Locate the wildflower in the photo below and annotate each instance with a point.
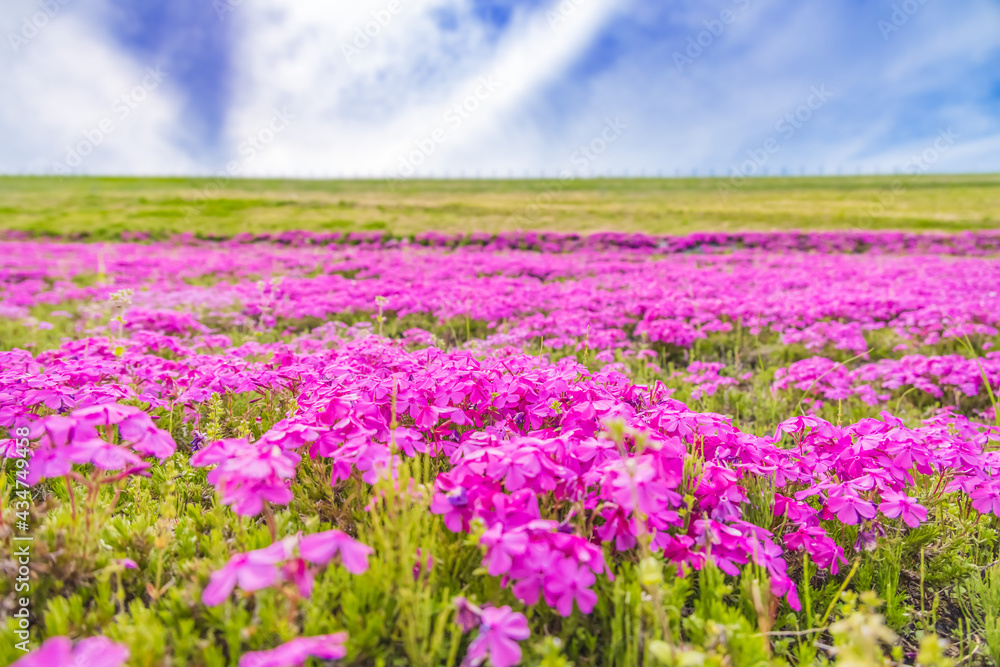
(868, 538)
(620, 528)
(783, 586)
(90, 652)
(797, 512)
(297, 651)
(900, 505)
(247, 474)
(64, 441)
(567, 582)
(820, 547)
(320, 548)
(47, 463)
(197, 440)
(530, 572)
(986, 497)
(502, 548)
(102, 454)
(850, 509)
(467, 615)
(134, 426)
(499, 631)
(253, 571)
(422, 565)
(105, 414)
(298, 572)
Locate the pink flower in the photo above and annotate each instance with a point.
(782, 585)
(248, 474)
(850, 509)
(258, 569)
(797, 512)
(568, 581)
(900, 505)
(105, 414)
(47, 462)
(102, 454)
(619, 527)
(145, 438)
(68, 440)
(467, 615)
(320, 548)
(218, 451)
(252, 570)
(499, 632)
(91, 652)
(297, 651)
(453, 503)
(820, 547)
(530, 572)
(59, 431)
(986, 498)
(502, 548)
(299, 573)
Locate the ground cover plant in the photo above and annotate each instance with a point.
(523, 448)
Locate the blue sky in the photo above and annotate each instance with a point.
(499, 87)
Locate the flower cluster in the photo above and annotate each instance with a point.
(873, 382)
(846, 241)
(541, 475)
(557, 469)
(247, 474)
(295, 555)
(606, 295)
(500, 629)
(110, 436)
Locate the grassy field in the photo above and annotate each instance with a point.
(104, 207)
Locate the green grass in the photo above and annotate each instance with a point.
(105, 207)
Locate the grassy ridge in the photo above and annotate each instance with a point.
(104, 207)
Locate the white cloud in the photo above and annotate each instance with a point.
(62, 83)
(364, 114)
(889, 99)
